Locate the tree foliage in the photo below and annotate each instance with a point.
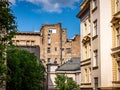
(64, 83)
(7, 30)
(24, 70)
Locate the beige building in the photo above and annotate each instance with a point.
(116, 43)
(53, 45)
(99, 69)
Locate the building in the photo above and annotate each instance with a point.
(116, 43)
(96, 44)
(29, 41)
(51, 43)
(71, 69)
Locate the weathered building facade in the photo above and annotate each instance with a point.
(52, 42)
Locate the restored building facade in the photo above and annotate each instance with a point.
(52, 42)
(116, 43)
(96, 44)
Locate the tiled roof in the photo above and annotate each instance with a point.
(71, 65)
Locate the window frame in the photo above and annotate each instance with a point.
(48, 60)
(95, 29)
(96, 83)
(48, 50)
(118, 36)
(95, 59)
(68, 50)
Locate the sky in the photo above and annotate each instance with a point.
(32, 14)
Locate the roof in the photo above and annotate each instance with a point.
(28, 33)
(71, 65)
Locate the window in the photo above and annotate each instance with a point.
(49, 40)
(62, 49)
(27, 43)
(48, 60)
(95, 58)
(68, 50)
(17, 42)
(50, 31)
(118, 36)
(95, 28)
(89, 77)
(55, 48)
(117, 5)
(85, 80)
(85, 25)
(70, 78)
(85, 51)
(32, 43)
(118, 70)
(96, 83)
(48, 50)
(55, 61)
(94, 4)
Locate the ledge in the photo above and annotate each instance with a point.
(116, 48)
(85, 83)
(94, 9)
(94, 37)
(96, 67)
(116, 82)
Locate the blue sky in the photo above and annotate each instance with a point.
(32, 14)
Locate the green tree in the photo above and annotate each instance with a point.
(7, 31)
(64, 83)
(24, 70)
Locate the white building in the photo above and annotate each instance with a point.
(96, 44)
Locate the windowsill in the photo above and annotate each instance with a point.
(93, 10)
(94, 37)
(95, 67)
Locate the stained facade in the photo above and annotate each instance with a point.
(52, 41)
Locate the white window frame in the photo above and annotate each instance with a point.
(95, 58)
(49, 40)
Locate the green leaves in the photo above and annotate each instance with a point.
(8, 29)
(24, 70)
(64, 83)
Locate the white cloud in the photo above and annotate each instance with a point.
(12, 1)
(53, 5)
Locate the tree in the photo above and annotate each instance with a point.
(24, 70)
(7, 30)
(64, 83)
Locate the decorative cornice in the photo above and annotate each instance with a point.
(85, 6)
